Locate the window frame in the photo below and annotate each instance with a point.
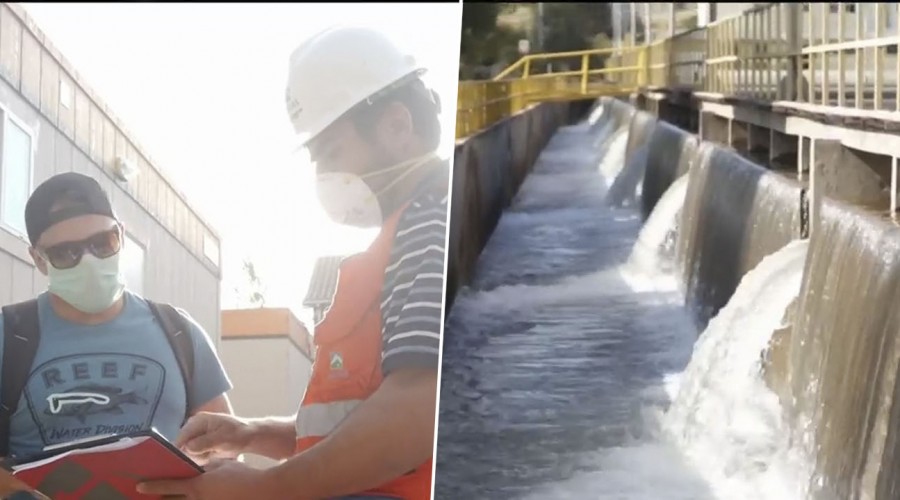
(67, 98)
(131, 239)
(833, 7)
(212, 249)
(9, 116)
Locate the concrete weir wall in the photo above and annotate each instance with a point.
(842, 354)
(735, 213)
(488, 168)
(835, 362)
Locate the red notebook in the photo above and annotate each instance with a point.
(106, 468)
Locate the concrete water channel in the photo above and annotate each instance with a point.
(639, 313)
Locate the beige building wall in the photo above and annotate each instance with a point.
(51, 122)
(268, 358)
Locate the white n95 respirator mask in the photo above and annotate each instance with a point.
(348, 199)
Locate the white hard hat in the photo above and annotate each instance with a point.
(338, 69)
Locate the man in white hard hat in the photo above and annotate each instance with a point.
(365, 427)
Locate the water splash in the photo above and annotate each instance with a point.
(647, 471)
(625, 191)
(561, 364)
(598, 114)
(613, 161)
(552, 356)
(654, 251)
(724, 417)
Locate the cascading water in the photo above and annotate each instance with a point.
(735, 213)
(563, 357)
(724, 417)
(612, 163)
(597, 115)
(654, 251)
(552, 354)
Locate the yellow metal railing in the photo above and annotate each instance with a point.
(482, 103)
(822, 54)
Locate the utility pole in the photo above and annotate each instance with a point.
(648, 26)
(706, 13)
(632, 11)
(616, 24)
(540, 26)
(795, 42)
(540, 37)
(671, 19)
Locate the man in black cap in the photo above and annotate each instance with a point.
(126, 357)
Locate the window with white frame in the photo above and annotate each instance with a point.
(211, 249)
(133, 265)
(65, 94)
(16, 172)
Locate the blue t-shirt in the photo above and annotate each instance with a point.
(116, 377)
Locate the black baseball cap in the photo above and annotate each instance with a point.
(83, 196)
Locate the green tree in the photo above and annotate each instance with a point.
(567, 26)
(252, 292)
(483, 42)
(572, 26)
(478, 21)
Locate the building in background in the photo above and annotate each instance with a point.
(52, 122)
(322, 284)
(268, 354)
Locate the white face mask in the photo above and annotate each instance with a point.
(349, 200)
(92, 286)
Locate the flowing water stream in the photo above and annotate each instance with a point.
(572, 368)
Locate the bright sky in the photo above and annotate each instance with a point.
(202, 88)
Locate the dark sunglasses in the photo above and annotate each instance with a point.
(68, 254)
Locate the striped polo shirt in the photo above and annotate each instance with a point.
(413, 290)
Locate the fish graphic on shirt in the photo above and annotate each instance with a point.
(85, 400)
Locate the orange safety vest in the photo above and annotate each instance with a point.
(347, 368)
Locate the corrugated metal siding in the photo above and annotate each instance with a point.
(33, 67)
(85, 139)
(323, 282)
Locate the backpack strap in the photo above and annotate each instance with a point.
(21, 337)
(178, 332)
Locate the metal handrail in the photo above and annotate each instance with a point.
(772, 52)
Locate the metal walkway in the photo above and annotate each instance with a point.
(833, 56)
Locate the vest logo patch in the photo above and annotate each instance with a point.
(337, 362)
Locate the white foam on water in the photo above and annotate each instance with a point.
(654, 250)
(724, 421)
(568, 182)
(575, 290)
(724, 417)
(648, 471)
(596, 115)
(613, 161)
(712, 432)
